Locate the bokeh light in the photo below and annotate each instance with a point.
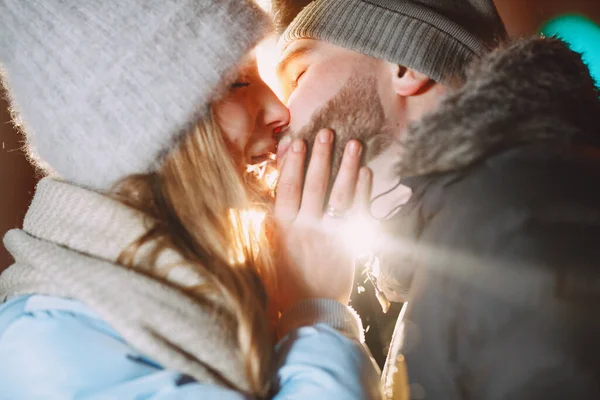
(583, 37)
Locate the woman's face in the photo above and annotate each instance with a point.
(250, 115)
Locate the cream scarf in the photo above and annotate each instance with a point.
(68, 248)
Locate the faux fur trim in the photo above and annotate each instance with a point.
(531, 90)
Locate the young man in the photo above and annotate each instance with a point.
(498, 242)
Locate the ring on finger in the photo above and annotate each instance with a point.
(335, 213)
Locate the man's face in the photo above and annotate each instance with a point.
(327, 86)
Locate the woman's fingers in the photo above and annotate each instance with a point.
(350, 187)
(317, 175)
(289, 186)
(344, 188)
(362, 197)
(310, 243)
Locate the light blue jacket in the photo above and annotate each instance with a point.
(53, 348)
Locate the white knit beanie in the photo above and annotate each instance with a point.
(105, 88)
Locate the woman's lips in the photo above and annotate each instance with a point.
(282, 149)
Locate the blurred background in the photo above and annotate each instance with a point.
(17, 179)
(577, 21)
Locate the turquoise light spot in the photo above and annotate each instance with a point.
(583, 37)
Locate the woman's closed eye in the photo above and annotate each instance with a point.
(240, 84)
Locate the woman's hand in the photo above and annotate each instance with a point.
(313, 261)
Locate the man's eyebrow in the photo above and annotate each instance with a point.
(293, 55)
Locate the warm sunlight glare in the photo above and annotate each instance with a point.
(249, 224)
(360, 234)
(267, 57)
(266, 171)
(264, 4)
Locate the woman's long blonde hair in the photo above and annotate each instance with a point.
(196, 201)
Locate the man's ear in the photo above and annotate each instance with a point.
(407, 81)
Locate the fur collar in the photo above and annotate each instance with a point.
(527, 91)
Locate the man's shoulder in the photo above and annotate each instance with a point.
(525, 203)
(540, 192)
(535, 205)
(530, 177)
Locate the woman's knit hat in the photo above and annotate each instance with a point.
(103, 89)
(435, 37)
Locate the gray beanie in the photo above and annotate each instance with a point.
(435, 37)
(104, 88)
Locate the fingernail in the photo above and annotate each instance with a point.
(354, 148)
(298, 146)
(325, 136)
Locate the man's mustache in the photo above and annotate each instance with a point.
(355, 112)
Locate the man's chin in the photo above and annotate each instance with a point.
(356, 112)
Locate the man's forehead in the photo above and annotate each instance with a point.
(302, 42)
(310, 44)
(296, 49)
(300, 48)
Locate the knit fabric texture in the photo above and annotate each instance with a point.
(69, 246)
(103, 89)
(435, 37)
(326, 311)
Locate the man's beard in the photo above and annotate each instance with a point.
(356, 112)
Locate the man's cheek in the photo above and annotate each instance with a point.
(302, 106)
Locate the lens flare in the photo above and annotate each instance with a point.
(360, 233)
(361, 236)
(266, 172)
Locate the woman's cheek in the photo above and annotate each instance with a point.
(234, 121)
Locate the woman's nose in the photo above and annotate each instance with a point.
(275, 114)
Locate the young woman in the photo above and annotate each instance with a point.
(141, 271)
